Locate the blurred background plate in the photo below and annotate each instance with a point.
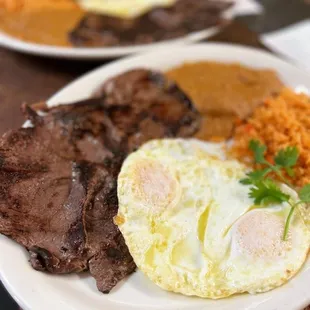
(98, 53)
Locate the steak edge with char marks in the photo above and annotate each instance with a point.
(58, 178)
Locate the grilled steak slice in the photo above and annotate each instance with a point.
(110, 260)
(159, 24)
(58, 179)
(41, 202)
(146, 105)
(128, 110)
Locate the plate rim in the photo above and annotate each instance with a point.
(119, 63)
(211, 45)
(96, 53)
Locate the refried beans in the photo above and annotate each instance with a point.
(224, 93)
(39, 21)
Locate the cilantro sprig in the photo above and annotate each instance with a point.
(285, 160)
(264, 190)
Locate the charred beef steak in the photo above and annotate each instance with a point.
(58, 179)
(159, 24)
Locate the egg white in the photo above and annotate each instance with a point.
(191, 227)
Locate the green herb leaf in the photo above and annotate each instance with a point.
(304, 193)
(246, 181)
(289, 171)
(287, 158)
(287, 223)
(258, 150)
(266, 192)
(255, 176)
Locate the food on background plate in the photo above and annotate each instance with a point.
(105, 22)
(58, 178)
(224, 93)
(123, 8)
(29, 5)
(280, 122)
(158, 24)
(40, 21)
(192, 227)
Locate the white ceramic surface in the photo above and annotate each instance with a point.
(36, 291)
(82, 53)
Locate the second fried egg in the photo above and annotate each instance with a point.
(191, 227)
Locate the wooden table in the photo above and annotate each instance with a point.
(31, 79)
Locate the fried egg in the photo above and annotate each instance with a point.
(122, 8)
(192, 228)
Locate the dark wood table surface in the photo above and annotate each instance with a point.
(31, 79)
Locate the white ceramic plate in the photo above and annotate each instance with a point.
(97, 53)
(36, 291)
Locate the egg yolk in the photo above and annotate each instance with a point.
(155, 186)
(259, 235)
